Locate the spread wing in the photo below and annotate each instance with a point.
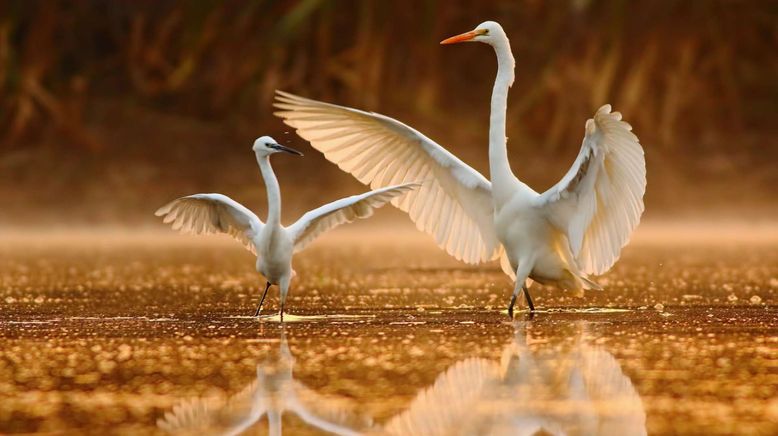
(598, 203)
(454, 205)
(342, 211)
(212, 213)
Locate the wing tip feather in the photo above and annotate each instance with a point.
(166, 208)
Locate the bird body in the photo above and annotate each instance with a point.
(275, 260)
(273, 244)
(529, 238)
(559, 237)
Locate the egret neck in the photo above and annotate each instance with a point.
(503, 180)
(273, 191)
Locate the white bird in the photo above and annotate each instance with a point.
(273, 244)
(576, 228)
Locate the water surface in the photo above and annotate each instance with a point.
(107, 331)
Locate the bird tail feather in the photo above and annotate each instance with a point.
(590, 285)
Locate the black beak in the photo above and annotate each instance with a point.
(285, 149)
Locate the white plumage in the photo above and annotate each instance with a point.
(576, 228)
(205, 214)
(454, 203)
(342, 211)
(600, 199)
(273, 243)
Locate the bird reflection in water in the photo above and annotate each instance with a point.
(558, 383)
(273, 393)
(540, 386)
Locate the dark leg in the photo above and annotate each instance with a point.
(529, 299)
(510, 306)
(282, 312)
(262, 300)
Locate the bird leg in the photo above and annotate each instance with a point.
(284, 288)
(522, 272)
(259, 308)
(510, 306)
(529, 299)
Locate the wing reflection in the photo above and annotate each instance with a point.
(272, 393)
(539, 386)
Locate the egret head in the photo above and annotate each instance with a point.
(265, 146)
(488, 32)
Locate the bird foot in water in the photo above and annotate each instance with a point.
(529, 303)
(529, 299)
(262, 301)
(510, 306)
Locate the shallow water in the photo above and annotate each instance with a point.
(113, 332)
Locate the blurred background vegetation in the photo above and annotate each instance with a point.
(110, 108)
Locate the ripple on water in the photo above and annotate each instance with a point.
(577, 310)
(289, 317)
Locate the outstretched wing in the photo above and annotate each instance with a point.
(454, 204)
(212, 213)
(599, 201)
(342, 211)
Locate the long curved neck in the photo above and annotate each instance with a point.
(273, 191)
(499, 167)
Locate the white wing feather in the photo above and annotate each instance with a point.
(212, 213)
(342, 211)
(454, 204)
(598, 203)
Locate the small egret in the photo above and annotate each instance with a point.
(272, 243)
(576, 228)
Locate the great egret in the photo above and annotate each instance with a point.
(576, 228)
(272, 243)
